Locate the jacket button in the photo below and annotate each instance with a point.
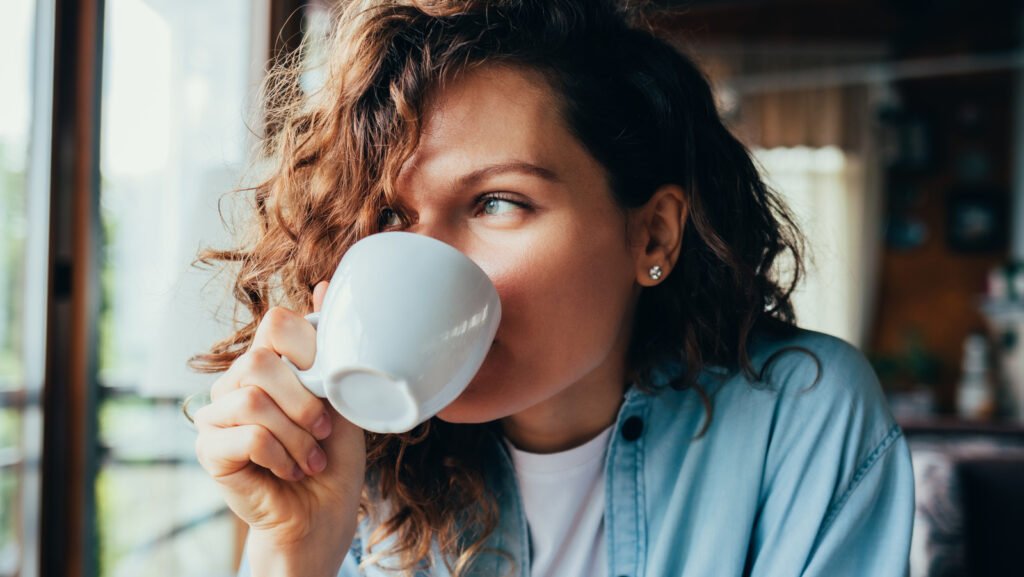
(632, 428)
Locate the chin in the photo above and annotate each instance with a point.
(476, 404)
(471, 407)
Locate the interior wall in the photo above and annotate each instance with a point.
(930, 287)
(933, 288)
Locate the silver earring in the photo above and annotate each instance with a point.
(655, 272)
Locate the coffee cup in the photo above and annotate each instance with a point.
(405, 325)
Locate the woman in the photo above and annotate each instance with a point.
(648, 407)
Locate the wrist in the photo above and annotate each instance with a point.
(308, 558)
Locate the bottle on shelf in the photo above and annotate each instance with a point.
(975, 392)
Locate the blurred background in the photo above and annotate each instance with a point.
(895, 129)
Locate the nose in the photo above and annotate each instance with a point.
(453, 235)
(436, 230)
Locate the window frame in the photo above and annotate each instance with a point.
(67, 539)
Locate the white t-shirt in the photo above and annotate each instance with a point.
(563, 497)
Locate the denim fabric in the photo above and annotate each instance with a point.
(793, 476)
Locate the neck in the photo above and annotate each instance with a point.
(562, 423)
(577, 413)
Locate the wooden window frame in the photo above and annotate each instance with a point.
(67, 544)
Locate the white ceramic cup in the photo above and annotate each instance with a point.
(406, 323)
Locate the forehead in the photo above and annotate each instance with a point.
(490, 115)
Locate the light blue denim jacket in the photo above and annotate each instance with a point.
(789, 479)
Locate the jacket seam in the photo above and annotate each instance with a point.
(613, 450)
(641, 495)
(894, 433)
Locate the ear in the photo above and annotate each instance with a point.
(657, 231)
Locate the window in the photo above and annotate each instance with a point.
(178, 78)
(26, 35)
(823, 188)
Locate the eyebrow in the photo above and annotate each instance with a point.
(519, 166)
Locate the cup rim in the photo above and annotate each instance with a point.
(421, 238)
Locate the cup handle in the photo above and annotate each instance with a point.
(310, 378)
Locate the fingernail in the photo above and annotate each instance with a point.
(322, 427)
(317, 460)
(297, 473)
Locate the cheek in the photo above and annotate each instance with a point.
(563, 299)
(575, 296)
(559, 286)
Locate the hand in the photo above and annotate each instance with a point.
(290, 466)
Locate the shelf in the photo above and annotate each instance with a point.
(949, 425)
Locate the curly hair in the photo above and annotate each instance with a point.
(637, 105)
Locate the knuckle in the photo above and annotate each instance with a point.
(278, 319)
(245, 363)
(261, 359)
(310, 412)
(253, 399)
(227, 380)
(260, 440)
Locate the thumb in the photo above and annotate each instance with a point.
(346, 464)
(346, 458)
(318, 295)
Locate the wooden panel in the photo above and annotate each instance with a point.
(934, 288)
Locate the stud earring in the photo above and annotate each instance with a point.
(655, 272)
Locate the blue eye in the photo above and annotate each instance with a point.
(492, 205)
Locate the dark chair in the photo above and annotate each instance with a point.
(992, 491)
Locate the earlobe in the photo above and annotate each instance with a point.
(664, 217)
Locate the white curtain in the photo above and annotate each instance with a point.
(836, 206)
(816, 146)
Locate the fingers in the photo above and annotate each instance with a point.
(250, 405)
(287, 333)
(319, 291)
(223, 452)
(263, 368)
(261, 413)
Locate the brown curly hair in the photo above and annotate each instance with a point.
(641, 108)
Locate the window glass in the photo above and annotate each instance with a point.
(26, 39)
(178, 77)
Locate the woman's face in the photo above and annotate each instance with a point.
(498, 176)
